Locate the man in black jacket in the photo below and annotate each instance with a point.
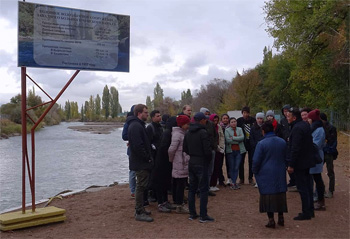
(300, 159)
(246, 123)
(140, 158)
(285, 135)
(197, 145)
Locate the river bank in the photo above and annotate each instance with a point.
(109, 213)
(11, 129)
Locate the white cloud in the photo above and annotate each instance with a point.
(180, 43)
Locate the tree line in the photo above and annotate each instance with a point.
(96, 108)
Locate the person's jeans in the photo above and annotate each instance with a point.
(241, 166)
(328, 159)
(179, 185)
(217, 173)
(198, 175)
(132, 181)
(234, 160)
(319, 186)
(304, 184)
(142, 178)
(211, 166)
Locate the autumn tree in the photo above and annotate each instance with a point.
(210, 96)
(315, 36)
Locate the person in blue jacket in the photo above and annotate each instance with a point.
(269, 168)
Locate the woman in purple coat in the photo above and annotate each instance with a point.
(269, 168)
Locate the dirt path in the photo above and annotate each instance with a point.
(109, 214)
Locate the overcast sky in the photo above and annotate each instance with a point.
(179, 43)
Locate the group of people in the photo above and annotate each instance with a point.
(172, 153)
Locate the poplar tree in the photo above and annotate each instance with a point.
(106, 101)
(114, 101)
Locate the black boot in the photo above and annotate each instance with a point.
(271, 223)
(280, 220)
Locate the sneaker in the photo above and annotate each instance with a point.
(328, 194)
(228, 182)
(144, 211)
(293, 189)
(170, 206)
(163, 208)
(132, 195)
(235, 186)
(193, 217)
(143, 218)
(291, 185)
(210, 193)
(256, 185)
(152, 199)
(206, 219)
(214, 189)
(181, 209)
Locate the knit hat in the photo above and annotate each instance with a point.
(323, 116)
(203, 110)
(270, 113)
(314, 115)
(260, 115)
(246, 109)
(182, 120)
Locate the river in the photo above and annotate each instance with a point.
(65, 160)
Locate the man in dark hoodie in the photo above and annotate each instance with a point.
(140, 158)
(197, 145)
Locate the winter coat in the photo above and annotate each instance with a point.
(285, 127)
(220, 135)
(197, 145)
(269, 164)
(154, 132)
(161, 174)
(140, 146)
(213, 135)
(176, 155)
(221, 141)
(231, 139)
(255, 136)
(246, 125)
(300, 146)
(318, 138)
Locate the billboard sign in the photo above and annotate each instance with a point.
(58, 37)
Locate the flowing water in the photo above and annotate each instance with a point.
(65, 160)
